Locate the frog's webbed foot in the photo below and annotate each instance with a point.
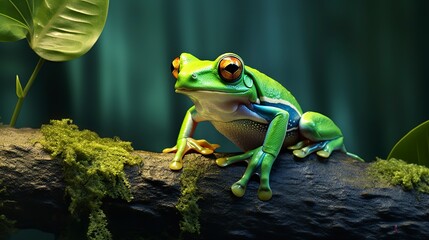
(258, 159)
(323, 148)
(187, 144)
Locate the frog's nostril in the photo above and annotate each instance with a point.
(194, 76)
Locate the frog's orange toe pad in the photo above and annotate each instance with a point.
(169, 150)
(206, 151)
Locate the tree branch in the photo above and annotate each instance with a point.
(312, 198)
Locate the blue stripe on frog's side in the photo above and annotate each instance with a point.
(294, 115)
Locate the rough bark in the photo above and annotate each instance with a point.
(313, 198)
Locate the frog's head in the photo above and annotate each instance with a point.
(227, 74)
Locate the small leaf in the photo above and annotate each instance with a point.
(19, 91)
(15, 19)
(414, 146)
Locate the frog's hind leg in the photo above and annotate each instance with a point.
(321, 136)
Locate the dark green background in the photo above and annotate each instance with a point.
(363, 63)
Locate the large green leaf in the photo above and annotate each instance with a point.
(414, 146)
(67, 29)
(57, 30)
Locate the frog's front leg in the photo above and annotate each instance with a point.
(321, 136)
(262, 157)
(185, 142)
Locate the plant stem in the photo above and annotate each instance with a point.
(26, 89)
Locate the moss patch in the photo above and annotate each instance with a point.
(93, 170)
(398, 172)
(188, 200)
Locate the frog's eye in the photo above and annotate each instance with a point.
(175, 67)
(230, 68)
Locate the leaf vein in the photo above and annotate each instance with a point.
(15, 20)
(20, 13)
(29, 8)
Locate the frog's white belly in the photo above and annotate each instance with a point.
(248, 135)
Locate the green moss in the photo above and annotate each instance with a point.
(188, 200)
(398, 172)
(93, 170)
(97, 228)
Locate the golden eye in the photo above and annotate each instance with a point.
(230, 68)
(175, 67)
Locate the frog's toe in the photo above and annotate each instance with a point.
(169, 150)
(222, 162)
(176, 165)
(206, 151)
(331, 145)
(238, 189)
(225, 161)
(300, 153)
(299, 145)
(323, 153)
(202, 146)
(309, 149)
(265, 193)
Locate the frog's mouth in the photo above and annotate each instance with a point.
(187, 91)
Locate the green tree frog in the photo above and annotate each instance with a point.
(253, 111)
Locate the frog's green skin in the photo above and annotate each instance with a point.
(253, 111)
